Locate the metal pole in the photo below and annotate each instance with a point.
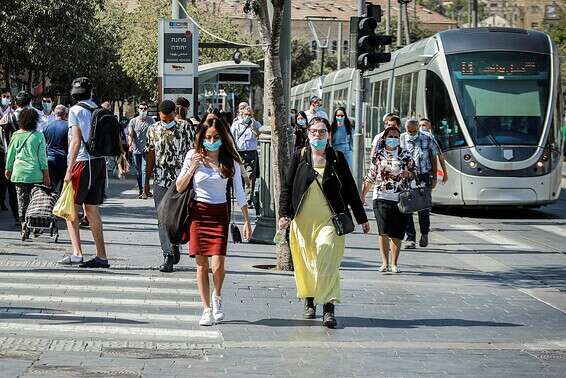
(339, 57)
(475, 13)
(406, 12)
(388, 23)
(322, 60)
(358, 139)
(399, 25)
(176, 11)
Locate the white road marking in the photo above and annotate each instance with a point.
(105, 315)
(98, 288)
(92, 276)
(549, 296)
(107, 330)
(96, 300)
(553, 229)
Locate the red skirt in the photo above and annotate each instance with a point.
(208, 229)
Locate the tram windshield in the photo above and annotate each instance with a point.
(503, 96)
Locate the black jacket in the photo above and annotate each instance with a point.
(337, 183)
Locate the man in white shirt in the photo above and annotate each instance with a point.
(246, 132)
(315, 109)
(87, 175)
(240, 116)
(137, 138)
(46, 114)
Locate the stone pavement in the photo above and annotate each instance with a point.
(486, 298)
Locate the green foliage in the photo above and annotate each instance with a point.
(557, 32)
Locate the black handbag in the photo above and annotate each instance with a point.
(234, 229)
(173, 213)
(415, 199)
(342, 222)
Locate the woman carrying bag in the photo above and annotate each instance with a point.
(209, 167)
(317, 191)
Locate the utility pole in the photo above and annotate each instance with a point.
(407, 36)
(339, 51)
(475, 13)
(176, 11)
(399, 24)
(388, 23)
(358, 142)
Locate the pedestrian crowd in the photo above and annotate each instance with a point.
(205, 166)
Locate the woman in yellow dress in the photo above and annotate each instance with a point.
(317, 185)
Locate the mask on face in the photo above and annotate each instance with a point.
(46, 106)
(424, 129)
(301, 122)
(413, 136)
(392, 142)
(6, 102)
(318, 144)
(247, 120)
(215, 146)
(143, 114)
(169, 125)
(340, 119)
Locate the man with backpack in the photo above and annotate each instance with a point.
(94, 134)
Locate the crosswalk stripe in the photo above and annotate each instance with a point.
(99, 288)
(92, 276)
(96, 300)
(177, 334)
(492, 237)
(553, 229)
(40, 313)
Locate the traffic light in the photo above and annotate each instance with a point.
(369, 43)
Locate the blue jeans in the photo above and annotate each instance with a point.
(347, 151)
(140, 160)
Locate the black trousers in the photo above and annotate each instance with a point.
(424, 215)
(251, 165)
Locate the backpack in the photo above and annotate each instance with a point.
(104, 138)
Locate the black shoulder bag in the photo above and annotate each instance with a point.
(173, 213)
(343, 222)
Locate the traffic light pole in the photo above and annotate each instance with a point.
(358, 138)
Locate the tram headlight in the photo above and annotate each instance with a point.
(472, 164)
(467, 157)
(540, 164)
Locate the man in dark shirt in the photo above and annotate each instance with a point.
(57, 138)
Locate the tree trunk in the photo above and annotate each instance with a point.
(277, 109)
(7, 72)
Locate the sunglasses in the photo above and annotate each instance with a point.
(318, 131)
(142, 108)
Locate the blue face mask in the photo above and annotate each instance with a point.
(392, 142)
(301, 122)
(340, 119)
(47, 106)
(212, 146)
(169, 125)
(248, 120)
(318, 144)
(6, 101)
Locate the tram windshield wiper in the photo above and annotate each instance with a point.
(487, 131)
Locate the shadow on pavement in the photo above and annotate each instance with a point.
(357, 322)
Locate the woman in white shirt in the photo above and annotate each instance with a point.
(207, 168)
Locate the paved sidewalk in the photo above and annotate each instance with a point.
(479, 301)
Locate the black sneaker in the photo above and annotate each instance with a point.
(167, 266)
(328, 319)
(84, 223)
(95, 263)
(176, 254)
(310, 309)
(423, 242)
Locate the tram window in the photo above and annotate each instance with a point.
(398, 94)
(441, 113)
(375, 111)
(413, 108)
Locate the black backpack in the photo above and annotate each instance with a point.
(104, 138)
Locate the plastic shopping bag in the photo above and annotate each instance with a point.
(65, 206)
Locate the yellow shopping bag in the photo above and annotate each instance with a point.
(65, 206)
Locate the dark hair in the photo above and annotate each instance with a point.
(143, 103)
(228, 117)
(182, 101)
(319, 119)
(27, 120)
(347, 122)
(302, 114)
(166, 107)
(425, 120)
(396, 119)
(6, 90)
(386, 132)
(314, 99)
(227, 153)
(80, 96)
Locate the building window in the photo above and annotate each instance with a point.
(313, 46)
(334, 46)
(534, 25)
(345, 46)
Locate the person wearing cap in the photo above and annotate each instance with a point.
(137, 138)
(56, 135)
(9, 125)
(168, 141)
(424, 150)
(87, 175)
(246, 133)
(315, 109)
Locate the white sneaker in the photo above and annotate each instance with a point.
(383, 268)
(395, 269)
(410, 245)
(206, 318)
(217, 308)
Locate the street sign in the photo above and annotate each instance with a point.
(178, 60)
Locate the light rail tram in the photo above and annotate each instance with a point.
(495, 101)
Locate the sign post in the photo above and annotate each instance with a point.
(178, 61)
